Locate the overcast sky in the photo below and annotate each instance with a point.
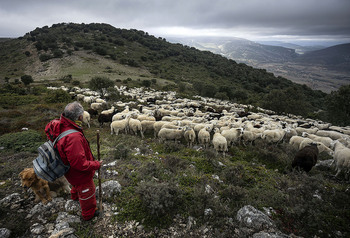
(285, 20)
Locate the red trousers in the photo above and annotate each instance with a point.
(87, 199)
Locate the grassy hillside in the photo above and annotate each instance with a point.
(87, 50)
(164, 183)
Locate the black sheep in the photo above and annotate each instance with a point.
(102, 118)
(306, 158)
(92, 112)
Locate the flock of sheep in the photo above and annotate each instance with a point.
(206, 121)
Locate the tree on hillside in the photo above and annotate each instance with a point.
(289, 100)
(100, 84)
(338, 106)
(27, 79)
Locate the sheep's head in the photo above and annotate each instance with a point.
(216, 130)
(332, 144)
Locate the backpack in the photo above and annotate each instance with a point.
(48, 165)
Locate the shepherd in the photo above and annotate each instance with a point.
(75, 151)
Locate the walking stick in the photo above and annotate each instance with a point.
(99, 172)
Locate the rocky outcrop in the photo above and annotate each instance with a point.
(249, 221)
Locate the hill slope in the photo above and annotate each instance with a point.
(239, 49)
(325, 69)
(88, 50)
(335, 57)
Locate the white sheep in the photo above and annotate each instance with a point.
(290, 133)
(88, 99)
(200, 126)
(158, 125)
(96, 105)
(341, 158)
(295, 141)
(232, 135)
(171, 134)
(321, 147)
(109, 111)
(249, 136)
(147, 126)
(190, 136)
(325, 140)
(273, 136)
(100, 100)
(300, 130)
(219, 142)
(135, 126)
(119, 116)
(86, 118)
(120, 125)
(332, 134)
(145, 117)
(204, 136)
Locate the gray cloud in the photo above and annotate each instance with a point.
(255, 18)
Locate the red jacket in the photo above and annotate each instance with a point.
(74, 150)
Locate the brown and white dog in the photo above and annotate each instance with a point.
(43, 189)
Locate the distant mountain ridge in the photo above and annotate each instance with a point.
(325, 68)
(335, 57)
(240, 49)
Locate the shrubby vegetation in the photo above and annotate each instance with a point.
(338, 106)
(164, 181)
(21, 141)
(100, 84)
(202, 72)
(57, 96)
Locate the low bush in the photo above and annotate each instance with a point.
(159, 200)
(21, 141)
(122, 151)
(58, 96)
(9, 101)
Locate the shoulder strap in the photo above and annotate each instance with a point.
(63, 134)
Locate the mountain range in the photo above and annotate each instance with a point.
(323, 68)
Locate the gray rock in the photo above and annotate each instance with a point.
(61, 226)
(264, 234)
(109, 189)
(64, 217)
(10, 200)
(190, 222)
(250, 217)
(40, 208)
(208, 212)
(62, 223)
(66, 233)
(52, 207)
(5, 233)
(72, 206)
(37, 229)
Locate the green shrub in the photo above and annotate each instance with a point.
(159, 199)
(174, 163)
(67, 78)
(21, 141)
(121, 151)
(170, 146)
(45, 57)
(11, 100)
(58, 96)
(76, 83)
